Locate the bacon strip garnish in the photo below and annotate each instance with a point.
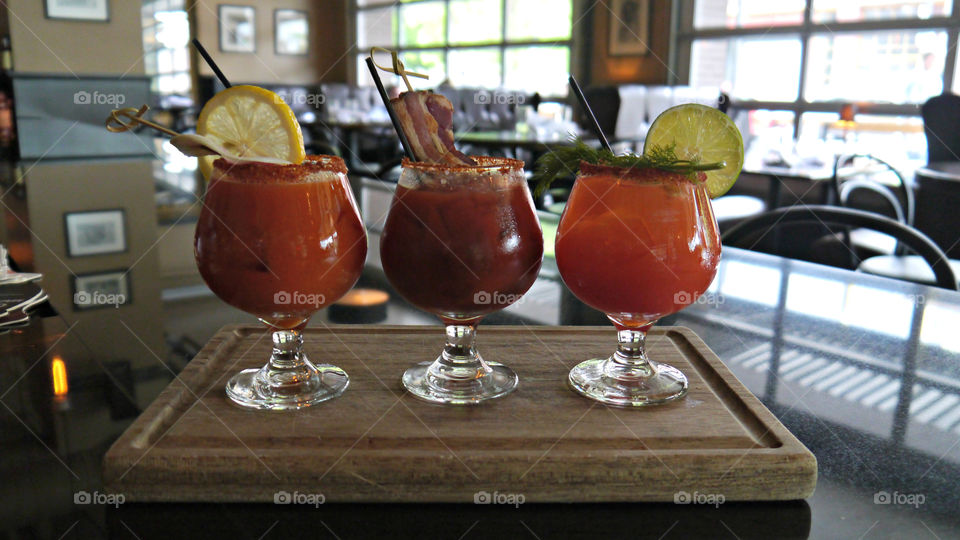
(427, 121)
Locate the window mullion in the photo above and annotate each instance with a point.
(802, 79)
(503, 41)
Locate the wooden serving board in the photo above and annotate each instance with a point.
(375, 443)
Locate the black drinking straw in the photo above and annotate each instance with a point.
(213, 65)
(393, 115)
(589, 111)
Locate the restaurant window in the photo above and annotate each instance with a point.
(515, 44)
(166, 33)
(811, 57)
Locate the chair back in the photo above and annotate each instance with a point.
(605, 102)
(847, 217)
(900, 197)
(938, 197)
(941, 125)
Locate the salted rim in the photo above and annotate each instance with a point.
(637, 173)
(261, 172)
(484, 163)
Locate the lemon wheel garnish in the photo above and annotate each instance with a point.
(703, 134)
(252, 122)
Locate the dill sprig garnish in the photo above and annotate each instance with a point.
(564, 161)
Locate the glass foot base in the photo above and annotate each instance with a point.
(251, 389)
(425, 384)
(593, 379)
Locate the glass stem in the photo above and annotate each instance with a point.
(459, 359)
(287, 350)
(630, 361)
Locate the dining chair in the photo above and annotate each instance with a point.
(857, 181)
(605, 102)
(937, 200)
(941, 120)
(745, 233)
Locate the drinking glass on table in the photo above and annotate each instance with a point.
(461, 242)
(281, 242)
(637, 245)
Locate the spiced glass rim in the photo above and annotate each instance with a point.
(263, 172)
(635, 173)
(484, 163)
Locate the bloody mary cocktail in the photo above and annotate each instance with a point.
(636, 244)
(281, 242)
(461, 242)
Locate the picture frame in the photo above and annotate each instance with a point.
(629, 29)
(291, 32)
(98, 290)
(95, 232)
(72, 10)
(238, 28)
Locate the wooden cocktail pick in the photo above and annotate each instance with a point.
(396, 67)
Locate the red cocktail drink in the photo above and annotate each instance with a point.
(281, 242)
(461, 242)
(636, 245)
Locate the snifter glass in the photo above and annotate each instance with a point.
(637, 245)
(461, 242)
(281, 242)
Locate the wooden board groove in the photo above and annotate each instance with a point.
(375, 443)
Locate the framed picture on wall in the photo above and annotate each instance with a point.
(291, 31)
(101, 290)
(77, 10)
(238, 29)
(629, 27)
(98, 232)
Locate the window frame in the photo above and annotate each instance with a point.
(502, 44)
(684, 35)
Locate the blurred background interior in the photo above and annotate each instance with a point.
(840, 102)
